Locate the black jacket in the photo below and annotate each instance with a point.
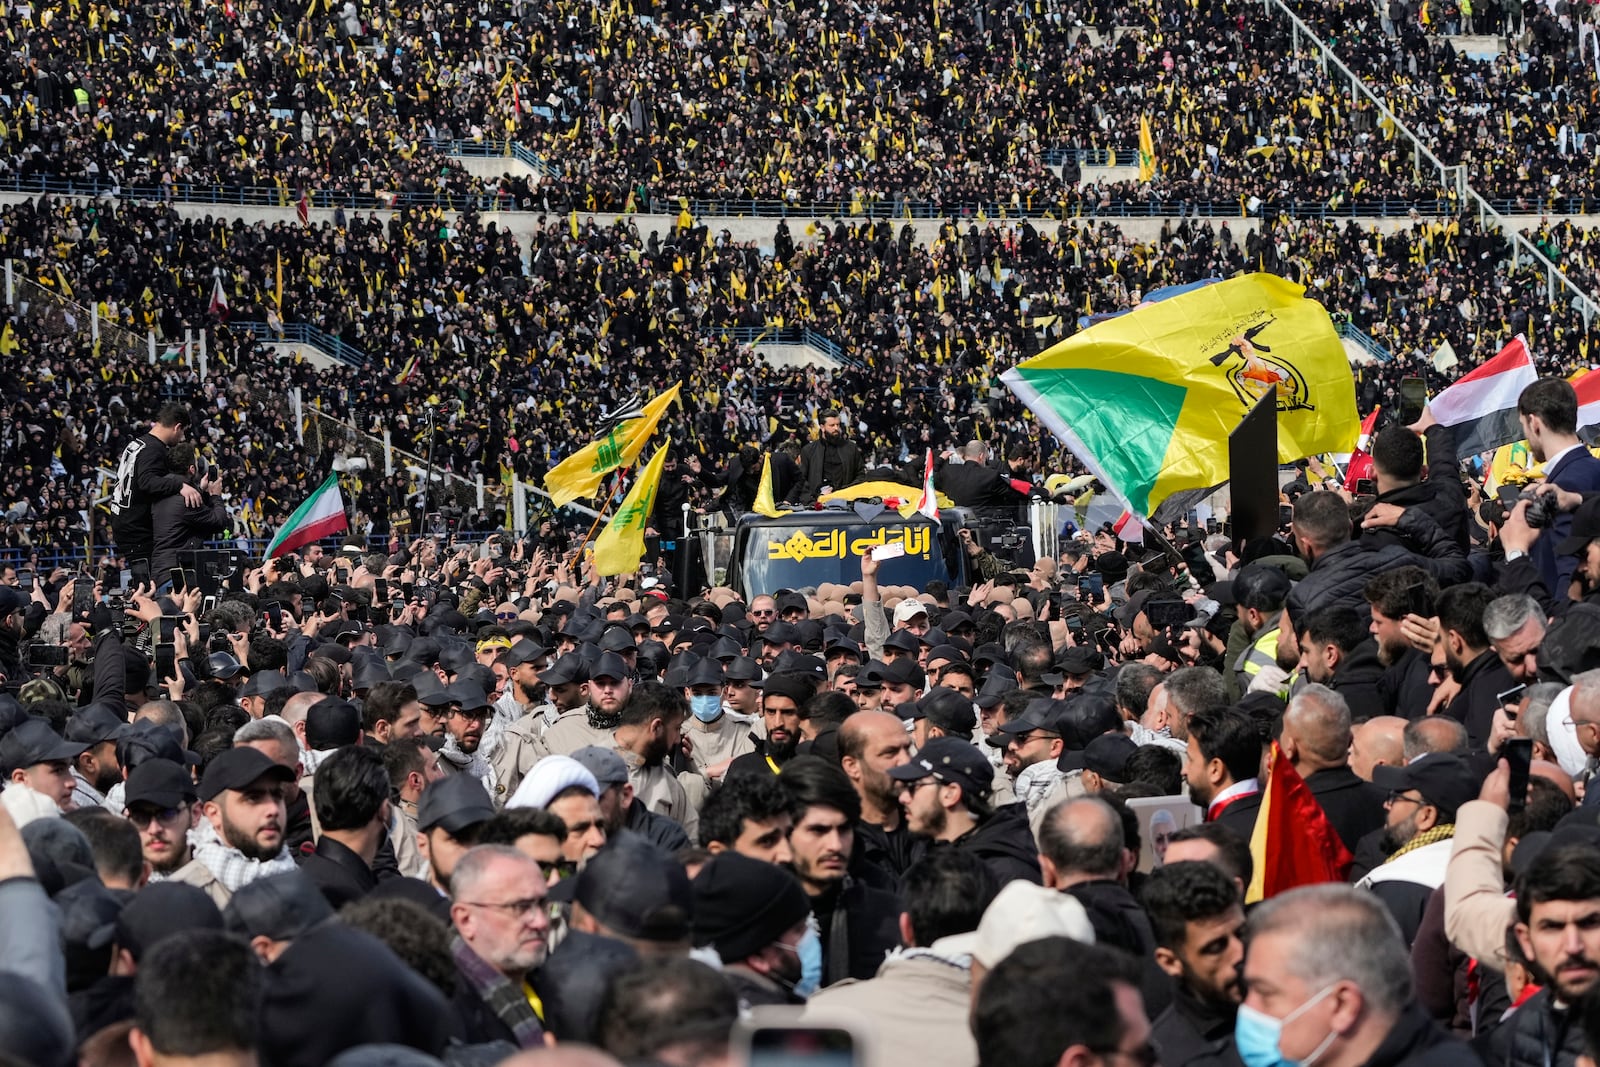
(1359, 680)
(859, 926)
(1441, 495)
(1354, 807)
(1192, 1034)
(1417, 1041)
(1240, 815)
(1405, 687)
(143, 477)
(1538, 1034)
(1005, 842)
(338, 871)
(1118, 920)
(1481, 684)
(823, 463)
(882, 857)
(1338, 576)
(660, 830)
(177, 527)
(338, 987)
(973, 485)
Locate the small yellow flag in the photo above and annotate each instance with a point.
(764, 504)
(572, 222)
(579, 474)
(620, 546)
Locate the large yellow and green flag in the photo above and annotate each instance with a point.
(1147, 400)
(580, 474)
(620, 546)
(1147, 150)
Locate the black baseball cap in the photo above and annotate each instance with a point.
(949, 759)
(469, 695)
(1107, 756)
(568, 668)
(95, 724)
(1080, 660)
(903, 640)
(161, 783)
(160, 910)
(263, 682)
(1585, 528)
(223, 665)
(237, 768)
(1445, 781)
(1043, 714)
(33, 742)
(525, 651)
(743, 669)
(781, 633)
(635, 889)
(609, 665)
(903, 671)
(280, 907)
(946, 709)
(453, 804)
(995, 688)
(705, 672)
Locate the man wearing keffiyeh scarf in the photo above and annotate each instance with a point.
(501, 928)
(241, 837)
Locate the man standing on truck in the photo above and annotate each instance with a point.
(828, 463)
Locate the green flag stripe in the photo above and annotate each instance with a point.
(302, 511)
(1126, 421)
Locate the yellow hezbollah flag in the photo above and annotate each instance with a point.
(1147, 399)
(620, 546)
(764, 504)
(1147, 150)
(579, 474)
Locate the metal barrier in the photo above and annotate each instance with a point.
(1093, 157)
(493, 149)
(303, 333)
(786, 335)
(1349, 331)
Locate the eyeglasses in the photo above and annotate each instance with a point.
(475, 715)
(762, 614)
(1396, 796)
(1031, 736)
(142, 816)
(912, 787)
(562, 868)
(517, 908)
(505, 616)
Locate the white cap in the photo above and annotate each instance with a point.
(549, 777)
(1024, 912)
(908, 609)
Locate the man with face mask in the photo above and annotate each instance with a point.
(717, 736)
(1198, 919)
(1424, 796)
(1328, 984)
(758, 920)
(828, 463)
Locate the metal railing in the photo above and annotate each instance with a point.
(1093, 157)
(303, 333)
(1350, 332)
(786, 335)
(491, 149)
(1449, 177)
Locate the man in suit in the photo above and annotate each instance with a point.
(1316, 739)
(972, 483)
(1548, 412)
(1224, 758)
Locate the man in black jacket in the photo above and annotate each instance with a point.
(145, 476)
(1474, 665)
(1337, 652)
(972, 483)
(1397, 461)
(828, 463)
(946, 796)
(1316, 739)
(351, 793)
(1198, 920)
(1328, 979)
(501, 931)
(178, 525)
(1558, 903)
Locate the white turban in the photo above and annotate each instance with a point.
(549, 777)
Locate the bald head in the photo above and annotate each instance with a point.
(1543, 768)
(562, 1056)
(1378, 742)
(1436, 734)
(1081, 840)
(862, 730)
(295, 708)
(1316, 729)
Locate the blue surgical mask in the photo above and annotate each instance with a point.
(810, 952)
(1256, 1035)
(706, 709)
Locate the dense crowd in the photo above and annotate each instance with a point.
(888, 103)
(471, 798)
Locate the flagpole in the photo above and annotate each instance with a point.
(612, 499)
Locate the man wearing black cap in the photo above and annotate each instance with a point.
(776, 639)
(1033, 744)
(633, 892)
(95, 771)
(621, 809)
(465, 720)
(941, 713)
(716, 736)
(524, 690)
(241, 837)
(782, 697)
(741, 687)
(161, 803)
(755, 915)
(1103, 762)
(1424, 796)
(610, 683)
(448, 814)
(38, 761)
(523, 743)
(946, 798)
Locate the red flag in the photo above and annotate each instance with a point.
(1361, 459)
(928, 503)
(1129, 528)
(219, 299)
(1293, 843)
(303, 209)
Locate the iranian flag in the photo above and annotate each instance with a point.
(320, 516)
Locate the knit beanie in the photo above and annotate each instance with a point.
(742, 904)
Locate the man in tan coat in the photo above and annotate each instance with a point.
(610, 682)
(919, 1001)
(649, 732)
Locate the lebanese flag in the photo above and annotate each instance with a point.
(1361, 459)
(928, 503)
(1587, 387)
(219, 299)
(1129, 528)
(322, 515)
(1293, 843)
(1483, 406)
